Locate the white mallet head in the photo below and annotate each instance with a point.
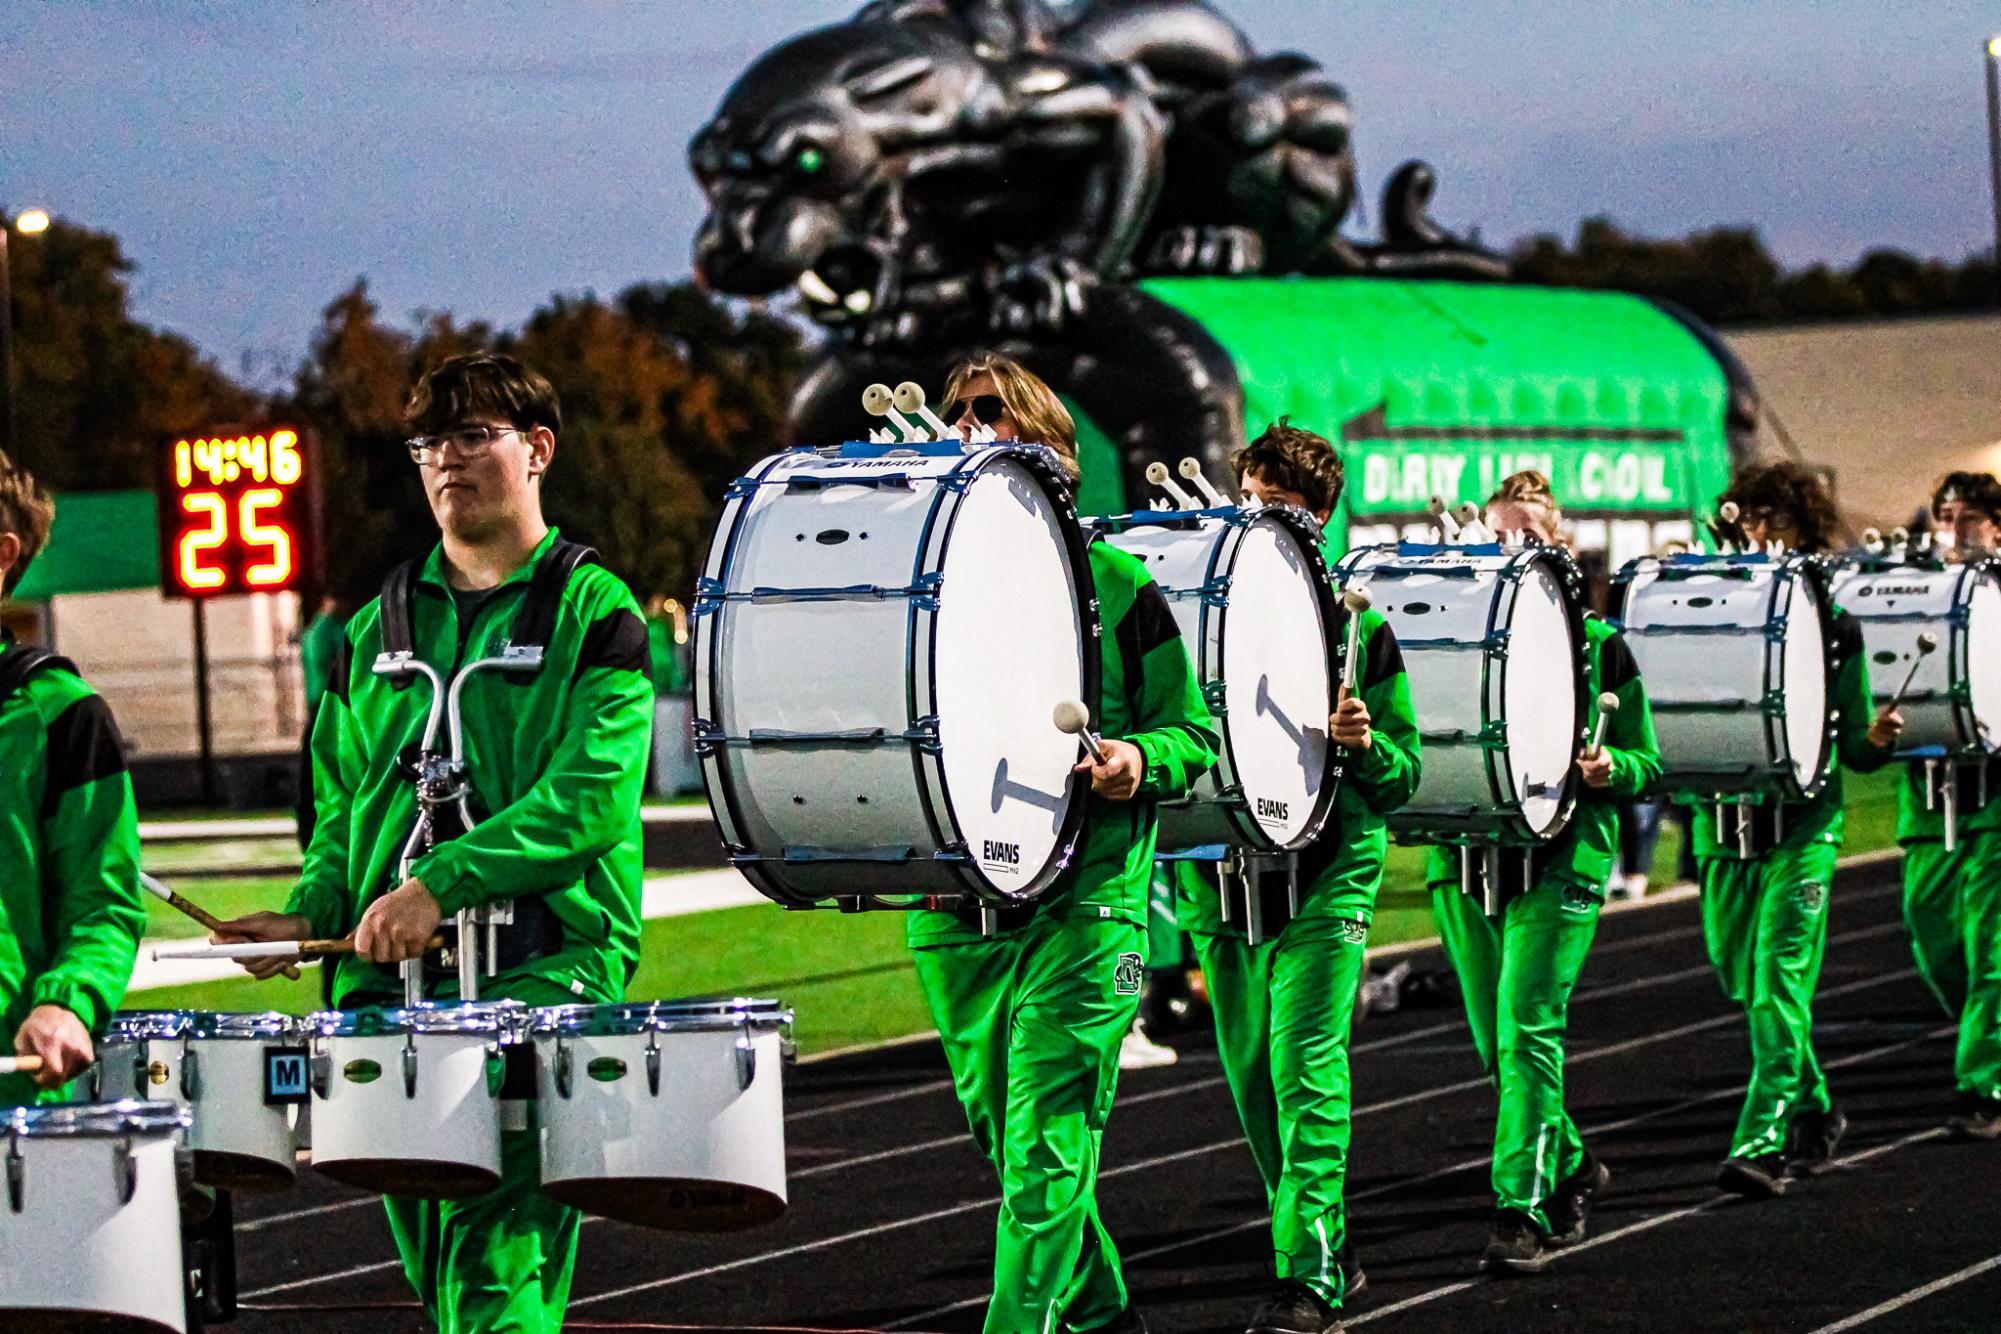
(1191, 468)
(878, 400)
(1070, 717)
(908, 397)
(1728, 511)
(1608, 703)
(1435, 505)
(1466, 512)
(1356, 601)
(1927, 644)
(1156, 472)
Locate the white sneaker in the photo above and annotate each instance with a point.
(1137, 1051)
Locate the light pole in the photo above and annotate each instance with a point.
(1994, 147)
(30, 223)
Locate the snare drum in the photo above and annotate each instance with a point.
(215, 1066)
(91, 1226)
(1255, 604)
(407, 1101)
(1736, 655)
(1493, 643)
(664, 1114)
(881, 636)
(1953, 706)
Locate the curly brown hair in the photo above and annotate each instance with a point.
(1292, 458)
(1787, 490)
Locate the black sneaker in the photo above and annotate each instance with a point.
(1569, 1207)
(1758, 1178)
(1294, 1309)
(1353, 1280)
(1515, 1245)
(1129, 1321)
(1810, 1144)
(1980, 1119)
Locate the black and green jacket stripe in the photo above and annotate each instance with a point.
(1585, 853)
(557, 763)
(70, 908)
(1342, 870)
(1823, 819)
(1151, 699)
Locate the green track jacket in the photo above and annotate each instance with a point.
(557, 763)
(1151, 699)
(1587, 850)
(70, 907)
(1823, 819)
(1343, 869)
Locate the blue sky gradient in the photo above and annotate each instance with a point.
(475, 157)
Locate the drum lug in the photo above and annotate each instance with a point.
(17, 1175)
(125, 1170)
(409, 1065)
(190, 1071)
(746, 1061)
(653, 1063)
(564, 1062)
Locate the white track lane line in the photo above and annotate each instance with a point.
(1914, 1295)
(1466, 1165)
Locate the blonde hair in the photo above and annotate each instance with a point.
(1038, 414)
(25, 511)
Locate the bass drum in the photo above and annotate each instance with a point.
(1953, 705)
(881, 636)
(1255, 604)
(1493, 643)
(1735, 651)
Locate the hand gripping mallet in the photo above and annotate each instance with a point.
(1073, 719)
(166, 895)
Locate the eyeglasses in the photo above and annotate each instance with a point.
(987, 409)
(470, 441)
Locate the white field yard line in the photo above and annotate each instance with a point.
(1406, 1183)
(1898, 1303)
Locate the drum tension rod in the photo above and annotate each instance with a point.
(125, 1170)
(17, 1175)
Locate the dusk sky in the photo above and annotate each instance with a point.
(256, 157)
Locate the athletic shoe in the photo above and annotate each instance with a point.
(1981, 1119)
(1758, 1178)
(1353, 1280)
(1515, 1245)
(1569, 1207)
(1139, 1052)
(1129, 1321)
(1294, 1309)
(1810, 1144)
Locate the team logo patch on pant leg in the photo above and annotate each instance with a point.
(1354, 932)
(1126, 976)
(1810, 896)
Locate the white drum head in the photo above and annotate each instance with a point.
(1539, 698)
(1278, 685)
(1983, 658)
(1804, 664)
(1008, 646)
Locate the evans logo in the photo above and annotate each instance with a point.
(1000, 854)
(1271, 810)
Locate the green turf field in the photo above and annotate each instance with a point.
(847, 976)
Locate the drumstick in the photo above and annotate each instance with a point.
(1156, 472)
(1608, 704)
(878, 401)
(20, 1065)
(1357, 602)
(1073, 719)
(1471, 530)
(1927, 645)
(1191, 470)
(269, 949)
(1724, 530)
(1447, 525)
(160, 890)
(909, 400)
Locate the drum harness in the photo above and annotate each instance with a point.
(486, 934)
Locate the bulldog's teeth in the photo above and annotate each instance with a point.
(815, 288)
(859, 302)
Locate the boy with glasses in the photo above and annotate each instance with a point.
(556, 763)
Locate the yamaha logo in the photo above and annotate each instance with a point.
(1895, 590)
(1000, 854)
(1271, 810)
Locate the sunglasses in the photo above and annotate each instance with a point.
(987, 409)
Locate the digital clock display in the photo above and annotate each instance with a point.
(235, 514)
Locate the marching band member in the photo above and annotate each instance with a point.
(1032, 1015)
(1764, 915)
(70, 911)
(1284, 1006)
(1517, 969)
(1952, 900)
(557, 763)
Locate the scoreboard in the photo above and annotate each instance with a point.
(237, 513)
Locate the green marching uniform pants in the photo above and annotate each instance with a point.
(1283, 1008)
(1765, 922)
(1952, 908)
(1031, 1021)
(1517, 974)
